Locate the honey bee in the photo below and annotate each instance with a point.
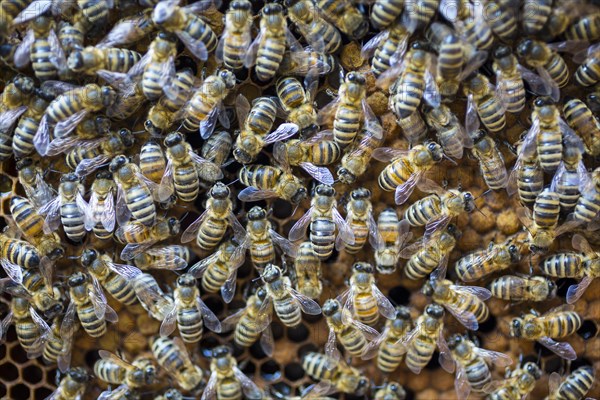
(520, 288)
(171, 394)
(149, 293)
(516, 384)
(570, 178)
(184, 170)
(266, 181)
(387, 47)
(465, 303)
(261, 240)
(574, 386)
(197, 36)
(584, 28)
(359, 217)
(42, 47)
(72, 385)
(188, 312)
(10, 10)
(323, 217)
(268, 49)
(406, 168)
(164, 113)
(72, 35)
(171, 257)
(483, 103)
(334, 375)
(248, 326)
(450, 133)
(29, 326)
(101, 213)
(307, 63)
(590, 269)
(227, 380)
(357, 156)
(89, 304)
(31, 177)
(491, 161)
(526, 179)
(116, 371)
(415, 82)
(430, 255)
(386, 346)
(236, 37)
(363, 299)
(312, 155)
(134, 198)
(288, 303)
(351, 110)
(152, 161)
(257, 122)
(549, 65)
(138, 237)
(7, 122)
(307, 271)
(352, 334)
(217, 148)
(55, 345)
(420, 343)
(436, 210)
(129, 30)
(390, 391)
(345, 16)
(91, 59)
(473, 365)
(391, 236)
(557, 323)
(581, 119)
(17, 254)
(172, 355)
(102, 269)
(17, 93)
(122, 392)
(206, 105)
(22, 140)
(481, 263)
(588, 204)
(68, 208)
(210, 227)
(318, 33)
(69, 108)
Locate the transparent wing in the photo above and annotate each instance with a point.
(33, 10)
(580, 243)
(321, 174)
(284, 131)
(13, 271)
(52, 212)
(90, 221)
(285, 245)
(386, 308)
(131, 250)
(97, 298)
(466, 318)
(550, 85)
(210, 319)
(372, 347)
(252, 51)
(404, 190)
(249, 388)
(461, 384)
(432, 95)
(481, 293)
(229, 323)
(58, 58)
(253, 194)
(375, 238)
(471, 117)
(23, 52)
(498, 359)
(108, 216)
(299, 229)
(190, 233)
(195, 46)
(166, 188)
(239, 233)
(5, 324)
(64, 128)
(41, 140)
(207, 170)
(267, 343)
(326, 113)
(436, 224)
(445, 358)
(170, 322)
(127, 271)
(369, 48)
(576, 291)
(562, 349)
(210, 391)
(308, 305)
(8, 118)
(89, 165)
(371, 123)
(208, 124)
(344, 229)
(198, 269)
(42, 326)
(122, 211)
(119, 393)
(228, 288)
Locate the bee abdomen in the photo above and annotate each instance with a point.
(389, 357)
(530, 183)
(140, 203)
(245, 332)
(211, 233)
(346, 125)
(41, 53)
(361, 232)
(121, 289)
(322, 236)
(269, 58)
(27, 333)
(478, 375)
(189, 322)
(315, 365)
(262, 253)
(490, 112)
(199, 30)
(353, 341)
(72, 221)
(214, 278)
(563, 265)
(588, 206)
(419, 354)
(152, 85)
(366, 309)
(564, 324)
(419, 213)
(557, 69)
(420, 265)
(6, 145)
(288, 311)
(25, 131)
(94, 326)
(577, 384)
(186, 182)
(550, 149)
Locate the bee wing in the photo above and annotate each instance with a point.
(64, 358)
(138, 67)
(466, 318)
(229, 323)
(190, 233)
(386, 79)
(308, 305)
(210, 319)
(581, 244)
(207, 126)
(52, 212)
(432, 94)
(68, 326)
(345, 232)
(369, 48)
(228, 288)
(524, 215)
(166, 188)
(299, 229)
(120, 392)
(445, 358)
(210, 391)
(285, 245)
(239, 233)
(375, 238)
(108, 216)
(64, 144)
(123, 32)
(195, 46)
(372, 347)
(471, 117)
(321, 174)
(5, 324)
(41, 139)
(8, 118)
(13, 271)
(576, 291)
(326, 113)
(562, 349)
(461, 384)
(22, 54)
(253, 194)
(133, 249)
(169, 323)
(553, 383)
(371, 123)
(436, 224)
(249, 388)
(481, 293)
(42, 326)
(64, 128)
(386, 308)
(58, 58)
(96, 295)
(89, 220)
(560, 171)
(252, 52)
(347, 299)
(200, 267)
(404, 190)
(440, 271)
(284, 131)
(207, 170)
(122, 211)
(263, 318)
(267, 343)
(498, 359)
(302, 68)
(542, 85)
(33, 10)
(370, 333)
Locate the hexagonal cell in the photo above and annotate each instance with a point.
(282, 209)
(488, 325)
(588, 329)
(399, 295)
(2, 351)
(42, 393)
(207, 344)
(215, 304)
(10, 372)
(278, 330)
(19, 391)
(5, 184)
(270, 371)
(18, 355)
(257, 352)
(293, 371)
(32, 374)
(298, 334)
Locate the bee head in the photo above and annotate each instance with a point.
(437, 152)
(363, 267)
(167, 36)
(435, 311)
(478, 135)
(173, 394)
(398, 389)
(468, 201)
(355, 77)
(228, 77)
(174, 226)
(261, 293)
(502, 51)
(109, 95)
(344, 175)
(54, 310)
(241, 5)
(219, 191)
(330, 307)
(551, 288)
(104, 175)
(173, 138)
(242, 156)
(126, 137)
(454, 231)
(533, 370)
(310, 130)
(360, 193)
(403, 313)
(427, 289)
(299, 195)
(271, 273)
(221, 352)
(516, 327)
(543, 101)
(257, 213)
(79, 375)
(117, 163)
(163, 11)
(515, 254)
(272, 9)
(325, 190)
(70, 177)
(454, 341)
(150, 128)
(24, 83)
(77, 279)
(56, 253)
(24, 163)
(186, 280)
(524, 47)
(362, 386)
(88, 257)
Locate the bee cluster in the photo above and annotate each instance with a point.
(189, 199)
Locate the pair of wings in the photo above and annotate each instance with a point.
(239, 233)
(170, 322)
(466, 317)
(345, 232)
(262, 326)
(251, 391)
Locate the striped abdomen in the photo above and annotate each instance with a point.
(72, 221)
(407, 93)
(491, 113)
(546, 210)
(189, 322)
(366, 308)
(588, 205)
(419, 213)
(577, 384)
(502, 21)
(262, 177)
(450, 58)
(290, 92)
(549, 148)
(109, 372)
(197, 110)
(389, 356)
(353, 340)
(471, 268)
(26, 217)
(322, 236)
(245, 331)
(316, 365)
(585, 28)
(229, 389)
(20, 252)
(94, 10)
(141, 204)
(200, 30)
(395, 174)
(478, 374)
(94, 326)
(121, 60)
(561, 324)
(558, 70)
(182, 84)
(26, 129)
(120, 288)
(563, 265)
(186, 182)
(27, 333)
(52, 349)
(288, 311)
(478, 34)
(269, 56)
(472, 304)
(346, 124)
(261, 117)
(262, 253)
(325, 152)
(214, 278)
(211, 232)
(41, 53)
(331, 36)
(64, 106)
(99, 229)
(567, 188)
(530, 183)
(536, 15)
(78, 154)
(420, 352)
(381, 61)
(422, 263)
(361, 233)
(384, 12)
(152, 80)
(6, 145)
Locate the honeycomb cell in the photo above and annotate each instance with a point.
(207, 344)
(5, 184)
(19, 391)
(488, 325)
(552, 364)
(298, 334)
(9, 372)
(293, 371)
(215, 304)
(588, 330)
(307, 348)
(562, 285)
(32, 374)
(257, 352)
(278, 330)
(282, 209)
(2, 351)
(399, 295)
(18, 355)
(3, 391)
(270, 371)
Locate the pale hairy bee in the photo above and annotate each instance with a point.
(575, 385)
(481, 263)
(237, 35)
(392, 234)
(226, 380)
(516, 384)
(360, 219)
(72, 385)
(517, 288)
(172, 355)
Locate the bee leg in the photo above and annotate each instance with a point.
(331, 93)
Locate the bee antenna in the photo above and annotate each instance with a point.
(232, 182)
(449, 159)
(184, 215)
(483, 194)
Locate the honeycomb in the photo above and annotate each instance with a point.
(29, 378)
